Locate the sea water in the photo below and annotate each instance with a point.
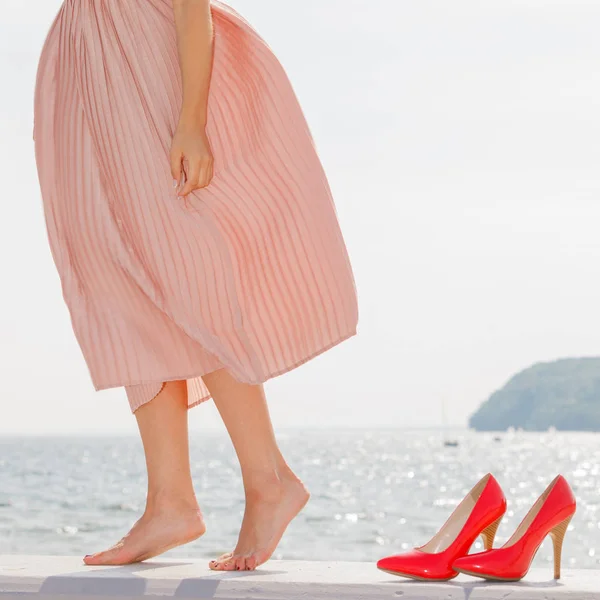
(374, 492)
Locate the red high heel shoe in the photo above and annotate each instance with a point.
(550, 515)
(479, 513)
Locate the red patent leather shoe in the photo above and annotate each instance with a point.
(478, 514)
(550, 515)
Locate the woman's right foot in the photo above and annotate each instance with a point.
(156, 532)
(270, 506)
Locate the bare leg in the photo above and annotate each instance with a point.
(274, 495)
(172, 516)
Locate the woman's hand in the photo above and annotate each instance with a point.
(190, 144)
(191, 155)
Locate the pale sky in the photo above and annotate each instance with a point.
(462, 142)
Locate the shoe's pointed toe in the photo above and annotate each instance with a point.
(387, 563)
(419, 565)
(398, 564)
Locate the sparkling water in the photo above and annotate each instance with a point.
(373, 492)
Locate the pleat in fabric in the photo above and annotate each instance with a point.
(249, 274)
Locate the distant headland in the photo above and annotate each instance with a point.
(564, 394)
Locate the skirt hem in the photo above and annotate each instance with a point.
(195, 375)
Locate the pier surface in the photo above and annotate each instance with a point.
(67, 578)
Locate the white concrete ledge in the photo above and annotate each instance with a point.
(66, 578)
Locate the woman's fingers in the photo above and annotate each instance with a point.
(193, 173)
(199, 175)
(175, 159)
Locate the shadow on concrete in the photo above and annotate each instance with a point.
(123, 581)
(110, 581)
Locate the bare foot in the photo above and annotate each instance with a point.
(269, 510)
(156, 532)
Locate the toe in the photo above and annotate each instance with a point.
(219, 563)
(98, 558)
(240, 563)
(229, 565)
(106, 557)
(251, 563)
(119, 554)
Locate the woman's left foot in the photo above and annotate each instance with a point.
(270, 507)
(156, 532)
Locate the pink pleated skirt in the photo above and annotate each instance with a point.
(251, 273)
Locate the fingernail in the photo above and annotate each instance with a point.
(174, 183)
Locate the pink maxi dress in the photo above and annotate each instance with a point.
(249, 274)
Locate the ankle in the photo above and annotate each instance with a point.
(160, 501)
(267, 485)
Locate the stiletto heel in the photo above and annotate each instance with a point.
(558, 537)
(550, 515)
(489, 534)
(478, 514)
